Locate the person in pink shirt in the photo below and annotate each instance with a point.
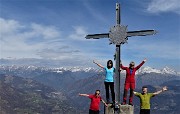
(95, 102)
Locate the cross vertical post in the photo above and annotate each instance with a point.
(117, 58)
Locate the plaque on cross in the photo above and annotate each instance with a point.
(118, 35)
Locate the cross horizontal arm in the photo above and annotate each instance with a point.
(141, 33)
(97, 36)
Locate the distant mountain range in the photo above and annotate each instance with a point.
(31, 63)
(65, 83)
(31, 68)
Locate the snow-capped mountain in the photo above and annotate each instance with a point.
(148, 69)
(142, 70)
(165, 70)
(74, 69)
(168, 70)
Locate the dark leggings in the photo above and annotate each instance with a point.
(111, 85)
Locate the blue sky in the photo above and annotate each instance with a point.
(56, 30)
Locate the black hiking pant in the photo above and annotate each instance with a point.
(111, 86)
(145, 111)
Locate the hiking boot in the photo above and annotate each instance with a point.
(123, 103)
(112, 105)
(131, 103)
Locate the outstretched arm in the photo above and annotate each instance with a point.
(85, 95)
(104, 102)
(134, 92)
(98, 64)
(121, 66)
(145, 60)
(141, 64)
(160, 91)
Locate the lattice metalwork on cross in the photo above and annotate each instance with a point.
(118, 35)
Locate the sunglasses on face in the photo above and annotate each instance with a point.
(97, 93)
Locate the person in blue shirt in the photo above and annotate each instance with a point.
(109, 79)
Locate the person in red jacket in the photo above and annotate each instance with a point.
(130, 80)
(95, 102)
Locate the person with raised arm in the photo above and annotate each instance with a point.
(145, 98)
(109, 79)
(130, 80)
(95, 102)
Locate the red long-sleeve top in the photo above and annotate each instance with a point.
(130, 77)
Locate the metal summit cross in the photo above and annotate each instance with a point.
(118, 35)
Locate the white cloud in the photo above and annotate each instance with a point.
(20, 40)
(79, 33)
(8, 27)
(33, 40)
(158, 6)
(47, 32)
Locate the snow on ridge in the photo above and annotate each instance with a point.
(148, 69)
(165, 70)
(74, 69)
(142, 70)
(85, 69)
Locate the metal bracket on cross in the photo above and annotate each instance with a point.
(118, 34)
